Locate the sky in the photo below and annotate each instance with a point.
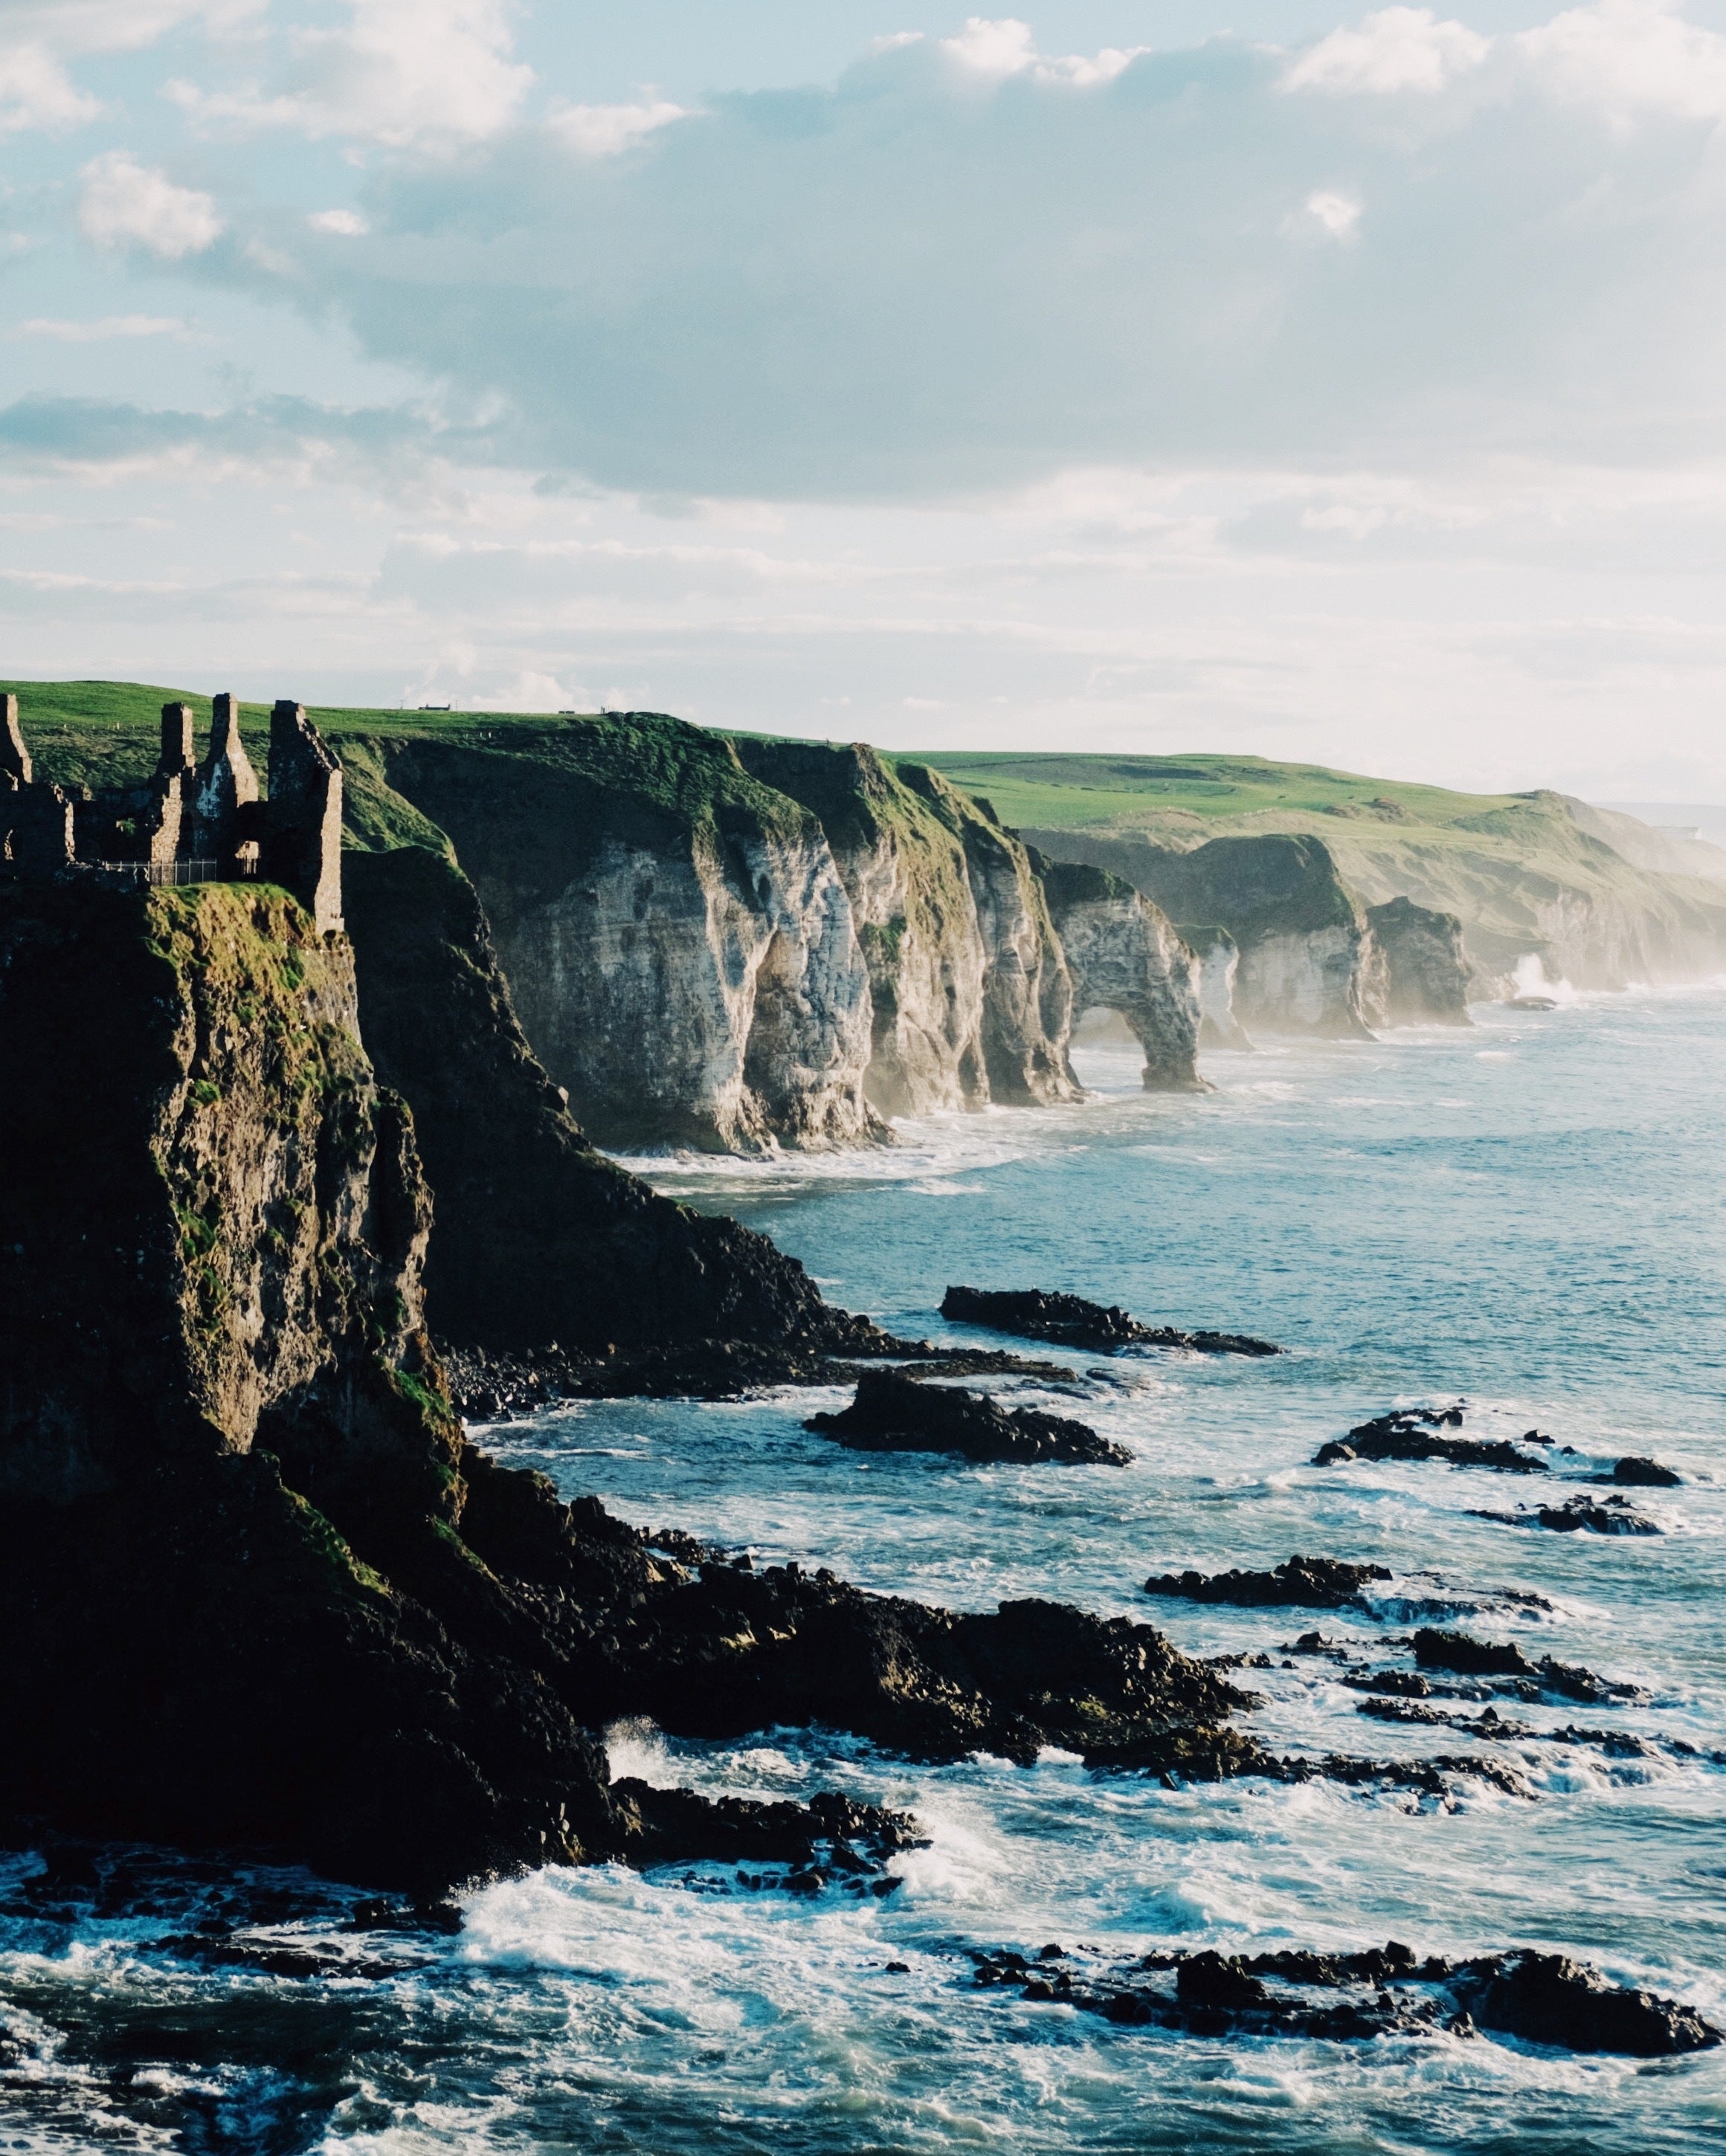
(1136, 375)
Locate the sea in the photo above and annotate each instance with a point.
(1525, 1217)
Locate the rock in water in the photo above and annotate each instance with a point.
(1548, 1999)
(892, 1412)
(1540, 1999)
(1635, 1472)
(1070, 1322)
(1414, 1433)
(1617, 1516)
(1305, 1583)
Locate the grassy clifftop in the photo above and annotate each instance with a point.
(105, 733)
(1186, 799)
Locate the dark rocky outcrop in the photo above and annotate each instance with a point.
(1414, 1434)
(1536, 1998)
(1068, 1321)
(1416, 973)
(1458, 1652)
(893, 1413)
(1301, 1583)
(1617, 1516)
(1633, 1472)
(256, 1587)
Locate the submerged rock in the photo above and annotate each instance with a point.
(1536, 1998)
(1414, 1433)
(1310, 1582)
(1068, 1321)
(893, 1413)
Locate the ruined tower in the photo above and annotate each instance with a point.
(302, 846)
(226, 789)
(14, 756)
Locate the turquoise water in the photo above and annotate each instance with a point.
(1527, 1216)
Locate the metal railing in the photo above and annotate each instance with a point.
(159, 873)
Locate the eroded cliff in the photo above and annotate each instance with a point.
(1301, 937)
(680, 944)
(1125, 955)
(258, 1592)
(969, 988)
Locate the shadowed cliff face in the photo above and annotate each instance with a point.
(212, 1224)
(540, 1238)
(207, 1209)
(256, 1590)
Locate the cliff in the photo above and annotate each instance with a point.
(1125, 955)
(1301, 936)
(1217, 963)
(258, 1592)
(212, 1223)
(1601, 899)
(1416, 971)
(541, 1238)
(679, 943)
(968, 985)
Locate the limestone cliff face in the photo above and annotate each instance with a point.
(1302, 937)
(969, 988)
(1217, 956)
(1125, 955)
(906, 873)
(681, 946)
(1416, 971)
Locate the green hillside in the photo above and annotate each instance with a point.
(1192, 798)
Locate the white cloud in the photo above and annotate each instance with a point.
(401, 73)
(113, 26)
(603, 130)
(345, 224)
(999, 48)
(1336, 214)
(1630, 57)
(124, 202)
(109, 327)
(1395, 50)
(36, 91)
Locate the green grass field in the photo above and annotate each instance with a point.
(1152, 793)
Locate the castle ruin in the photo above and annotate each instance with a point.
(188, 822)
